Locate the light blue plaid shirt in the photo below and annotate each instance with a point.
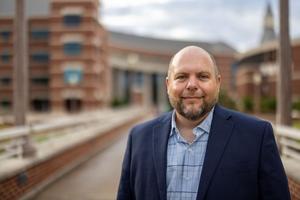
(185, 161)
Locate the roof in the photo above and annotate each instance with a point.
(164, 46)
(267, 47)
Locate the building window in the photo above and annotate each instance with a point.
(5, 81)
(40, 57)
(5, 35)
(72, 48)
(72, 20)
(5, 104)
(42, 81)
(139, 79)
(73, 76)
(40, 104)
(5, 57)
(40, 34)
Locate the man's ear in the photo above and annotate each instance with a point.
(167, 83)
(219, 79)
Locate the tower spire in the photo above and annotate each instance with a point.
(268, 26)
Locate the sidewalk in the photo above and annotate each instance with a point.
(96, 179)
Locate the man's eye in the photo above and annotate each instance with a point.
(180, 77)
(203, 77)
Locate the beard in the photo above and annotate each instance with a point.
(192, 113)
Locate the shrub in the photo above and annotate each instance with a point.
(296, 105)
(248, 104)
(226, 101)
(118, 102)
(268, 105)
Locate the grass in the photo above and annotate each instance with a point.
(44, 137)
(296, 124)
(3, 126)
(41, 138)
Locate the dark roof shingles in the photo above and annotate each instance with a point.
(164, 45)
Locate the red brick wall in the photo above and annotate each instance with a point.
(294, 189)
(19, 184)
(271, 83)
(224, 63)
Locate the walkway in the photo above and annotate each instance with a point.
(96, 179)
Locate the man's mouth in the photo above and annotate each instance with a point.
(192, 97)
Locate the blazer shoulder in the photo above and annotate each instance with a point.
(244, 119)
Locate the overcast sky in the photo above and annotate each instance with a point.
(237, 22)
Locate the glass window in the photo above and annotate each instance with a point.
(72, 48)
(4, 35)
(40, 81)
(72, 20)
(40, 104)
(40, 57)
(40, 34)
(5, 104)
(5, 81)
(5, 57)
(73, 76)
(139, 78)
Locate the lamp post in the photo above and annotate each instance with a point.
(283, 115)
(20, 65)
(20, 100)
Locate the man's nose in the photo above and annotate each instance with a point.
(192, 84)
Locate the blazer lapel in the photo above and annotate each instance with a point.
(221, 130)
(160, 141)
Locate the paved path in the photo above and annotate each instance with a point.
(96, 179)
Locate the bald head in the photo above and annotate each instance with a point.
(192, 52)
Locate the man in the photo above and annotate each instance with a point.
(201, 150)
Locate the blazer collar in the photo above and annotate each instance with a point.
(221, 130)
(160, 142)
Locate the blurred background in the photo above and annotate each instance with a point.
(75, 75)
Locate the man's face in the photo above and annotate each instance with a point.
(193, 85)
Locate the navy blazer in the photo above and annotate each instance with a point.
(241, 162)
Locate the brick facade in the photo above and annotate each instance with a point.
(294, 189)
(67, 58)
(257, 61)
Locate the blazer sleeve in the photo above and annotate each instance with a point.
(273, 184)
(124, 191)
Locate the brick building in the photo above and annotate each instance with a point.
(67, 55)
(74, 64)
(256, 73)
(139, 65)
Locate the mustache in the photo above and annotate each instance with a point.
(189, 94)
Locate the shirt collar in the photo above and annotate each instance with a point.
(204, 125)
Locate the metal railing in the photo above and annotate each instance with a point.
(12, 140)
(288, 140)
(16, 140)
